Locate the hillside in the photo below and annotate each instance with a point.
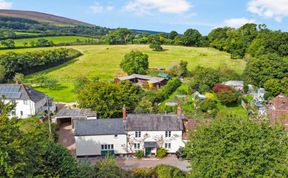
(42, 17)
(103, 61)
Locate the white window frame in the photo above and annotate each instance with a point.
(136, 146)
(137, 134)
(167, 145)
(107, 147)
(167, 133)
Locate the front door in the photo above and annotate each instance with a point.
(148, 151)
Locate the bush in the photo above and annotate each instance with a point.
(142, 172)
(167, 90)
(139, 154)
(156, 46)
(228, 98)
(165, 171)
(207, 104)
(161, 153)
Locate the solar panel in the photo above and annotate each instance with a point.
(9, 88)
(14, 95)
(10, 91)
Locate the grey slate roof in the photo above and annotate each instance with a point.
(75, 113)
(153, 122)
(143, 77)
(20, 92)
(99, 127)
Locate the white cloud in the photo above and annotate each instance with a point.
(5, 4)
(237, 22)
(145, 7)
(98, 8)
(276, 9)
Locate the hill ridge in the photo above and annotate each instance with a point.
(42, 17)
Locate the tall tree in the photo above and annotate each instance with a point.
(191, 37)
(236, 147)
(261, 69)
(108, 98)
(135, 62)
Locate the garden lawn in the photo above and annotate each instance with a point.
(103, 61)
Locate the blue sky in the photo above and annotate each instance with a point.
(163, 15)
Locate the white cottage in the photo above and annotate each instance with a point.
(145, 132)
(28, 101)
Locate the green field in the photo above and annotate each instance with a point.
(103, 61)
(55, 39)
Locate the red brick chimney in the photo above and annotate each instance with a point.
(179, 109)
(124, 113)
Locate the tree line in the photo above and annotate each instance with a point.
(30, 62)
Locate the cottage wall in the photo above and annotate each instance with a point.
(91, 145)
(155, 136)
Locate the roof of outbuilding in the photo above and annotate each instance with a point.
(99, 127)
(234, 83)
(143, 77)
(20, 92)
(153, 122)
(65, 112)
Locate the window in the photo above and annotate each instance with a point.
(21, 112)
(13, 113)
(137, 134)
(167, 133)
(107, 147)
(136, 146)
(167, 145)
(25, 102)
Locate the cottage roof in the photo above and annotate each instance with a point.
(280, 102)
(143, 77)
(234, 83)
(99, 127)
(20, 92)
(153, 122)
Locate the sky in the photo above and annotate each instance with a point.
(163, 15)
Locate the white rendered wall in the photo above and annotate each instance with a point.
(91, 145)
(158, 137)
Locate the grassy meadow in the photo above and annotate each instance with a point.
(56, 40)
(103, 61)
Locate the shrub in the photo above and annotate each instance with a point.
(156, 46)
(142, 172)
(161, 153)
(139, 154)
(167, 90)
(165, 171)
(207, 104)
(228, 97)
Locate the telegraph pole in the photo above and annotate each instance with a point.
(49, 119)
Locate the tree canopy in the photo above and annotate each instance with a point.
(236, 147)
(108, 99)
(135, 62)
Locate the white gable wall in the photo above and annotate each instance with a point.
(27, 108)
(91, 145)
